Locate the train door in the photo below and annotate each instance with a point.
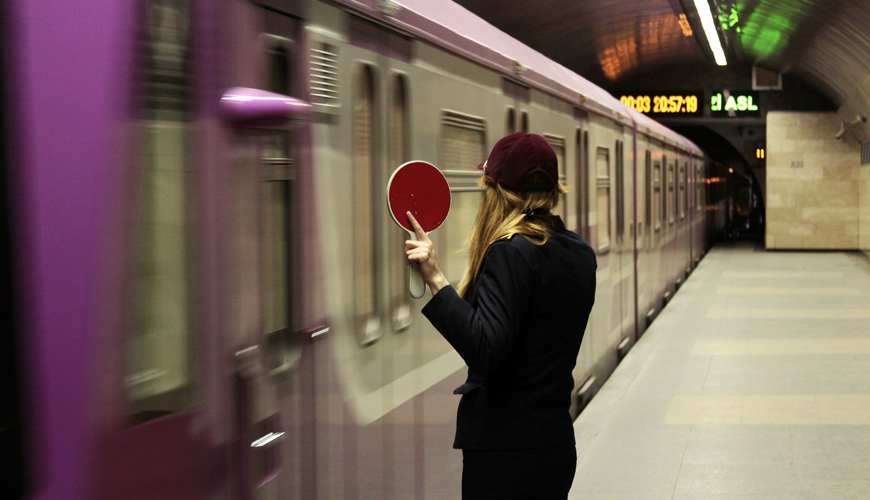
(642, 199)
(213, 393)
(618, 255)
(160, 406)
(670, 231)
(623, 270)
(263, 276)
(685, 218)
(657, 226)
(375, 451)
(629, 308)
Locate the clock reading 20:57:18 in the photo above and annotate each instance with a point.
(662, 104)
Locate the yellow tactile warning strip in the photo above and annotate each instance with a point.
(781, 274)
(786, 291)
(814, 409)
(753, 313)
(777, 347)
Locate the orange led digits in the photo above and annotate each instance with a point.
(667, 104)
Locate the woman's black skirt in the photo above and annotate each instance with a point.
(528, 474)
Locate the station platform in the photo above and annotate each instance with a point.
(753, 383)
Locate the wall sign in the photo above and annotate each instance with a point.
(726, 103)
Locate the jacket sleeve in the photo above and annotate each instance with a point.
(484, 335)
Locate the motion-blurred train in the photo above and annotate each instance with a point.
(204, 294)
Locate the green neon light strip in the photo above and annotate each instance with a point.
(766, 31)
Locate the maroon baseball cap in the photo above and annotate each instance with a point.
(516, 156)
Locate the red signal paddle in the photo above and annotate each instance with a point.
(420, 188)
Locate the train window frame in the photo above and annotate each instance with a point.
(603, 187)
(647, 214)
(462, 176)
(684, 193)
(671, 195)
(511, 121)
(524, 121)
(273, 44)
(279, 236)
(582, 167)
(619, 172)
(658, 195)
(398, 154)
(559, 145)
(366, 320)
(461, 121)
(151, 381)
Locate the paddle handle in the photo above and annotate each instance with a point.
(415, 280)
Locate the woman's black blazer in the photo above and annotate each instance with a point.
(519, 332)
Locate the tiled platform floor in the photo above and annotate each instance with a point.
(753, 383)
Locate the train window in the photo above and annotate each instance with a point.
(656, 180)
(603, 197)
(699, 188)
(671, 198)
(558, 144)
(399, 153)
(620, 195)
(684, 200)
(278, 68)
(582, 197)
(463, 210)
(159, 367)
(463, 142)
(365, 293)
(276, 271)
(277, 62)
(463, 148)
(511, 122)
(277, 172)
(524, 122)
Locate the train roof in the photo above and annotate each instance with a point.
(449, 25)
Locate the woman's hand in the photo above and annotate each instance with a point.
(421, 253)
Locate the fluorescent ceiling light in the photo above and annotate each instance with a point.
(710, 30)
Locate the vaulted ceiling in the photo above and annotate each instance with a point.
(612, 42)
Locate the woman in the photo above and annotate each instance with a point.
(517, 320)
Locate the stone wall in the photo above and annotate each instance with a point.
(864, 208)
(813, 184)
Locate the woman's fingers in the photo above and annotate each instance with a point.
(418, 254)
(411, 244)
(421, 253)
(421, 235)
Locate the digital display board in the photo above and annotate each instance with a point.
(665, 104)
(734, 103)
(721, 104)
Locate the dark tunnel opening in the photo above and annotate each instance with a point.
(745, 205)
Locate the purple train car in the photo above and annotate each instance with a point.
(203, 294)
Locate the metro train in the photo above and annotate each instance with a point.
(208, 296)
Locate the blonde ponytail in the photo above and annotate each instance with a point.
(501, 215)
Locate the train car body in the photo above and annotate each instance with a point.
(211, 298)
